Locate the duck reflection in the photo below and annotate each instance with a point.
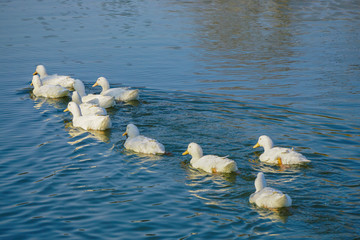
(74, 132)
(218, 186)
(143, 157)
(57, 103)
(278, 215)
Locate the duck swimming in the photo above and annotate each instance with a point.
(141, 144)
(209, 163)
(97, 99)
(268, 197)
(48, 91)
(278, 155)
(88, 108)
(88, 122)
(65, 81)
(120, 94)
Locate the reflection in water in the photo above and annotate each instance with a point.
(146, 157)
(245, 26)
(244, 37)
(58, 103)
(213, 189)
(103, 136)
(278, 215)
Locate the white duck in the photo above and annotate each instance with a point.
(120, 94)
(87, 122)
(141, 144)
(97, 99)
(209, 163)
(65, 81)
(88, 108)
(278, 155)
(268, 197)
(48, 91)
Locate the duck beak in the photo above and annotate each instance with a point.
(125, 134)
(66, 110)
(256, 145)
(186, 152)
(95, 84)
(35, 73)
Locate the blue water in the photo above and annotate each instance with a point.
(219, 73)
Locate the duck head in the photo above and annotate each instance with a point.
(103, 82)
(40, 69)
(74, 109)
(265, 142)
(131, 131)
(194, 150)
(36, 82)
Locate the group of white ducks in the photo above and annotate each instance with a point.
(89, 113)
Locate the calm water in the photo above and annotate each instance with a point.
(219, 73)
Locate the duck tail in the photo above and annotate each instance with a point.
(231, 167)
(304, 159)
(285, 200)
(132, 95)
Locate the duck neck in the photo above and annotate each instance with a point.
(76, 98)
(76, 112)
(79, 87)
(105, 86)
(268, 145)
(36, 82)
(196, 155)
(260, 183)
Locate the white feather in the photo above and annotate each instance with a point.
(209, 163)
(120, 94)
(97, 99)
(88, 122)
(271, 153)
(88, 108)
(141, 144)
(268, 197)
(65, 81)
(48, 91)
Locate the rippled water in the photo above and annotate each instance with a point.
(219, 73)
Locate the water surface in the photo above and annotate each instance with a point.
(217, 73)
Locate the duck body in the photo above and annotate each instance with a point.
(287, 156)
(48, 91)
(88, 108)
(102, 101)
(141, 144)
(213, 164)
(268, 197)
(91, 122)
(120, 94)
(95, 99)
(278, 155)
(64, 81)
(209, 163)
